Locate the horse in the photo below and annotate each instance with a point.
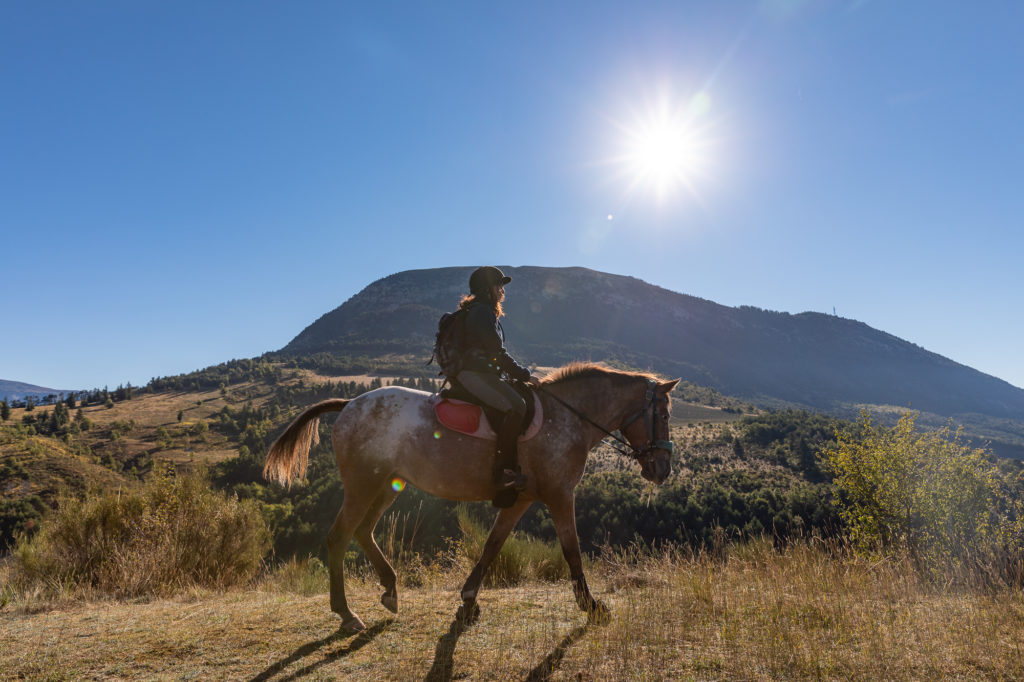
(391, 434)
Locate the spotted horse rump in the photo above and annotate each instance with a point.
(469, 419)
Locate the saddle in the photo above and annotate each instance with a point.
(458, 410)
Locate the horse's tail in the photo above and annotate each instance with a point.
(289, 455)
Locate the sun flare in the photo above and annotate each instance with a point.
(663, 155)
(667, 148)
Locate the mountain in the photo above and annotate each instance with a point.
(16, 390)
(555, 315)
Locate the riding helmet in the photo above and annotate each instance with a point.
(486, 277)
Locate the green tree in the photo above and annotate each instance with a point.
(61, 415)
(927, 495)
(163, 437)
(5, 410)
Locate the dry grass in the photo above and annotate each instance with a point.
(150, 411)
(691, 413)
(756, 613)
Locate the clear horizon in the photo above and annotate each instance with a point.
(185, 184)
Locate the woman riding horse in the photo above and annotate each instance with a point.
(390, 436)
(484, 360)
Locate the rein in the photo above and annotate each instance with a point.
(651, 418)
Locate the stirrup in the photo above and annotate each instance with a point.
(510, 483)
(512, 479)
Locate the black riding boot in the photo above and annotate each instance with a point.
(507, 476)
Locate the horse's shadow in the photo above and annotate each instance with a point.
(551, 662)
(444, 653)
(358, 642)
(442, 669)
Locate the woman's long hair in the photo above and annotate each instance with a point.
(470, 299)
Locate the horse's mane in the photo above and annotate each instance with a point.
(592, 369)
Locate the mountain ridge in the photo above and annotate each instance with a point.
(18, 390)
(556, 315)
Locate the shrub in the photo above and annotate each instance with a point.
(172, 533)
(19, 517)
(307, 577)
(930, 497)
(520, 558)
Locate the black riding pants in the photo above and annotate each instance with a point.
(491, 390)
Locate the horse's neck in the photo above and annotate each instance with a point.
(600, 399)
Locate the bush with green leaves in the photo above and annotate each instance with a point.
(173, 532)
(931, 497)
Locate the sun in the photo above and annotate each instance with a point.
(663, 155)
(667, 148)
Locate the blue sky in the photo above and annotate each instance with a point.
(183, 183)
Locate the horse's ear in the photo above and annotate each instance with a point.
(668, 385)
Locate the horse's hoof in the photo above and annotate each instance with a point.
(390, 601)
(599, 614)
(351, 626)
(469, 613)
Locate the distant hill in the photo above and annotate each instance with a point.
(560, 314)
(16, 390)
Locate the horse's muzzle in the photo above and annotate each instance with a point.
(656, 466)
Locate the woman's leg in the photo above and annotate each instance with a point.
(490, 389)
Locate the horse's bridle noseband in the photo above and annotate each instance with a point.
(649, 411)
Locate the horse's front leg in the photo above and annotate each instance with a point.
(503, 525)
(563, 513)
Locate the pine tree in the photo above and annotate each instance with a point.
(5, 410)
(61, 415)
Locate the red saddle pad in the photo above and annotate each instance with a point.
(459, 416)
(469, 418)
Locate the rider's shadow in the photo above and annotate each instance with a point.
(358, 642)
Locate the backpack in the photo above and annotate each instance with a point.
(449, 342)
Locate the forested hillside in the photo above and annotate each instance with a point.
(735, 474)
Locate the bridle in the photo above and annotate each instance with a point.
(650, 411)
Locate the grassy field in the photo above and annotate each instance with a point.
(754, 613)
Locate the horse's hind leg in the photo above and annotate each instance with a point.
(364, 535)
(353, 511)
